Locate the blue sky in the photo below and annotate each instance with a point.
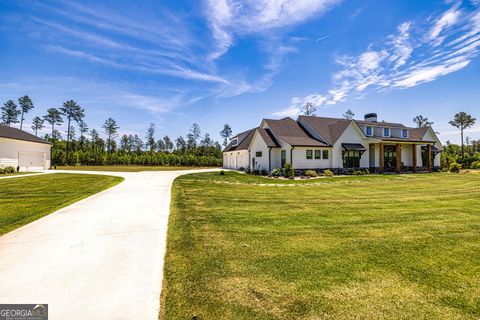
(214, 62)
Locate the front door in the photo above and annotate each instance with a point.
(283, 156)
(371, 155)
(390, 156)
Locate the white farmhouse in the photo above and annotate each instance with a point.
(23, 150)
(329, 143)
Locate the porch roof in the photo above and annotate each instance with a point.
(353, 147)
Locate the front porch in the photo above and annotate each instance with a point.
(406, 157)
(390, 156)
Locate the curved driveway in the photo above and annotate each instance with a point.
(100, 258)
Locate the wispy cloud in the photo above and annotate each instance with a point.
(231, 18)
(417, 53)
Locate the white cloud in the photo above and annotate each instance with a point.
(291, 112)
(449, 18)
(408, 58)
(230, 18)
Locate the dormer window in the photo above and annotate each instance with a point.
(404, 133)
(369, 131)
(386, 132)
(234, 142)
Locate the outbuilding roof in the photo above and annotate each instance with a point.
(17, 134)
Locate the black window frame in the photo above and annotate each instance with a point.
(257, 154)
(318, 154)
(307, 152)
(327, 152)
(351, 159)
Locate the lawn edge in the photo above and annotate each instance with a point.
(79, 201)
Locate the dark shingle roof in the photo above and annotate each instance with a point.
(418, 133)
(244, 144)
(268, 137)
(17, 134)
(330, 129)
(292, 133)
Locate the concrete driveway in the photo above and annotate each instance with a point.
(101, 258)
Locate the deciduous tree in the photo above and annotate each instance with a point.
(421, 121)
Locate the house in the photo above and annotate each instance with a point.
(319, 143)
(23, 150)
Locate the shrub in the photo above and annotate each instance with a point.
(9, 169)
(256, 172)
(475, 165)
(2, 171)
(328, 173)
(311, 173)
(248, 170)
(241, 169)
(288, 171)
(277, 172)
(222, 173)
(264, 172)
(455, 167)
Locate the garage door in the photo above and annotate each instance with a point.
(31, 160)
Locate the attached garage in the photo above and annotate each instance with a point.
(23, 150)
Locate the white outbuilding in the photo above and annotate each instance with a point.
(23, 150)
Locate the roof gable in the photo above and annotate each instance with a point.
(291, 132)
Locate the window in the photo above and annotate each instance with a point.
(325, 154)
(386, 132)
(234, 142)
(318, 154)
(369, 131)
(283, 156)
(404, 133)
(351, 159)
(309, 154)
(258, 154)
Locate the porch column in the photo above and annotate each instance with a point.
(414, 157)
(381, 158)
(399, 158)
(429, 157)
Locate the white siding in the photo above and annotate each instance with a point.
(11, 148)
(235, 159)
(258, 145)
(351, 135)
(300, 160)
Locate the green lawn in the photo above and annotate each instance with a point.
(25, 199)
(126, 168)
(376, 247)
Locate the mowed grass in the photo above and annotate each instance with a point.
(25, 199)
(376, 247)
(126, 168)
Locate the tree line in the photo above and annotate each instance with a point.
(89, 148)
